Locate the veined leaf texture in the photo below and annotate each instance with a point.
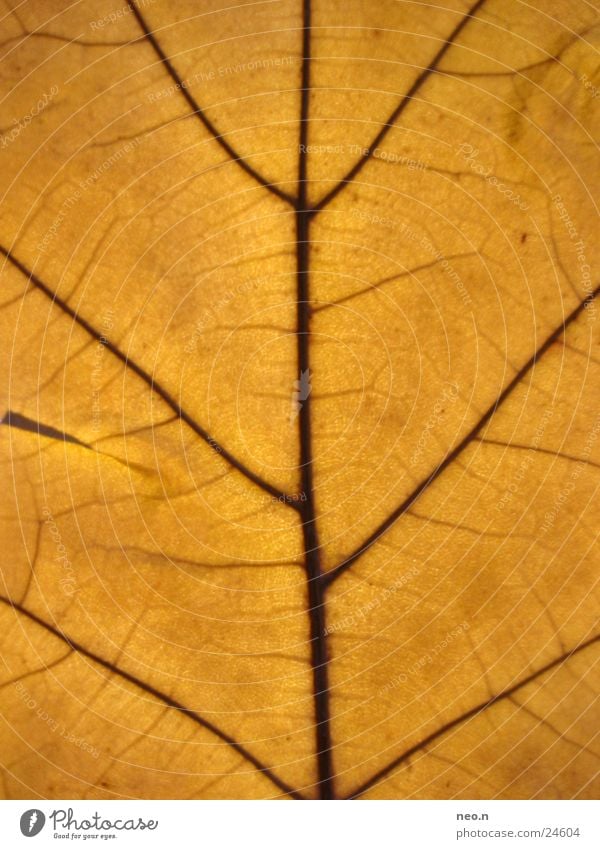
(300, 399)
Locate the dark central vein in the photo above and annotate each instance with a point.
(316, 601)
(317, 580)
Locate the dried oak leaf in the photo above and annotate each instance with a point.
(300, 399)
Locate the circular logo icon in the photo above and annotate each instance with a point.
(32, 822)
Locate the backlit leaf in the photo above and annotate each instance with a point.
(300, 391)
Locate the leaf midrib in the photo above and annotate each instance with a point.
(317, 580)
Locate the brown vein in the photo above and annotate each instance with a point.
(473, 712)
(154, 385)
(462, 445)
(155, 693)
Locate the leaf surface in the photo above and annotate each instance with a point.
(300, 400)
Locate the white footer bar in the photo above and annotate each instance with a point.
(301, 825)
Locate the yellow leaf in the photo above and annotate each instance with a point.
(299, 397)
